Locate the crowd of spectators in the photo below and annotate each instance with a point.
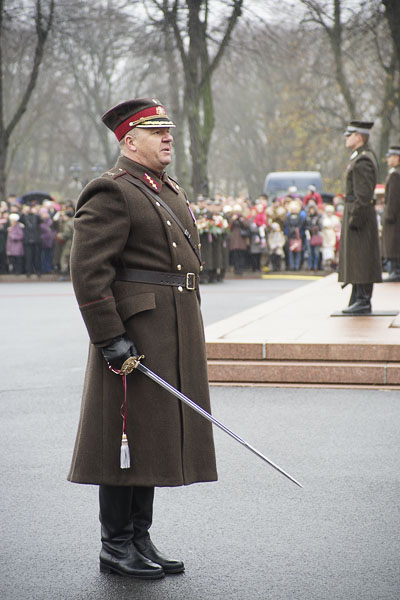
(35, 237)
(287, 233)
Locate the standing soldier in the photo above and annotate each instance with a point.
(135, 267)
(391, 214)
(64, 238)
(359, 257)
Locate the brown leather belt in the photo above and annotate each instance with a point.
(188, 281)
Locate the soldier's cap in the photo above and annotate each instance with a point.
(359, 127)
(137, 112)
(393, 150)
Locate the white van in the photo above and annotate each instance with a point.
(277, 183)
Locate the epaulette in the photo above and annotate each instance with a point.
(118, 173)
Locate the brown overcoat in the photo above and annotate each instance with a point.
(359, 256)
(170, 444)
(391, 216)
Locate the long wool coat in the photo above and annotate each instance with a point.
(359, 257)
(391, 216)
(170, 444)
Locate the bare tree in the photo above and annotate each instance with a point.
(392, 12)
(318, 12)
(42, 25)
(194, 41)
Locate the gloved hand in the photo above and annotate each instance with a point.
(120, 349)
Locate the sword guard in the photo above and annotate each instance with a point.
(130, 364)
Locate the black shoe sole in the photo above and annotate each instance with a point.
(114, 571)
(174, 571)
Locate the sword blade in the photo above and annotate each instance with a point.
(170, 388)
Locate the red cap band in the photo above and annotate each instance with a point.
(140, 117)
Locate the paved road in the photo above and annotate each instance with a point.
(253, 535)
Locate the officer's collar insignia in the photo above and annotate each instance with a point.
(355, 153)
(151, 183)
(172, 184)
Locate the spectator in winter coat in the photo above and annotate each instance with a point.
(276, 243)
(294, 227)
(258, 243)
(314, 196)
(313, 235)
(47, 235)
(32, 246)
(239, 240)
(15, 245)
(330, 230)
(3, 239)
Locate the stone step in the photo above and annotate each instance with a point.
(364, 352)
(364, 373)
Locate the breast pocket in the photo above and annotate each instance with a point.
(133, 305)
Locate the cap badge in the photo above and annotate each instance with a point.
(160, 110)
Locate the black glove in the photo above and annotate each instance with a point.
(120, 349)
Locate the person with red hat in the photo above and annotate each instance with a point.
(135, 266)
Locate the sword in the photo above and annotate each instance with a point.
(133, 363)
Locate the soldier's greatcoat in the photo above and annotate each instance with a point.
(391, 216)
(359, 256)
(170, 444)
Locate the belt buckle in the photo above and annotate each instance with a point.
(190, 281)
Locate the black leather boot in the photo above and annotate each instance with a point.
(362, 304)
(353, 295)
(142, 513)
(118, 553)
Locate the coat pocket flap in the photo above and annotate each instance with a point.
(127, 307)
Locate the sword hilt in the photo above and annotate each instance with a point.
(130, 364)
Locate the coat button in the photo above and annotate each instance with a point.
(174, 244)
(179, 267)
(169, 223)
(199, 246)
(180, 288)
(158, 204)
(201, 268)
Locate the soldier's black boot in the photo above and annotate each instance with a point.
(142, 512)
(362, 304)
(118, 553)
(353, 295)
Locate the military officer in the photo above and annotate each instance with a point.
(391, 214)
(135, 267)
(359, 257)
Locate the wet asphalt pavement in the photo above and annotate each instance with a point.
(253, 534)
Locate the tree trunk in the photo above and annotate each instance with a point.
(388, 106)
(42, 30)
(392, 11)
(174, 106)
(3, 161)
(198, 69)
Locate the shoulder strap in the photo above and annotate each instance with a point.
(150, 194)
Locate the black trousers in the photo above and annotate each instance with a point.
(126, 513)
(33, 259)
(361, 291)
